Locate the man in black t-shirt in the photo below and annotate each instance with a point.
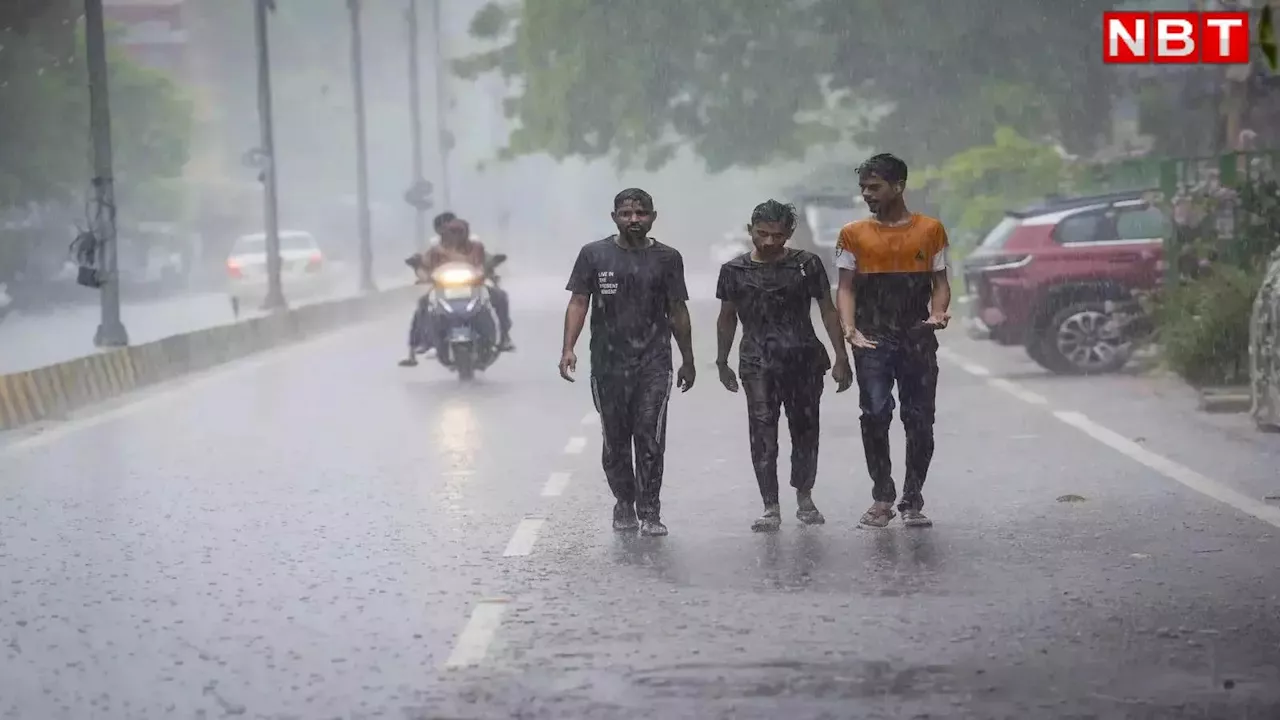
(781, 360)
(635, 288)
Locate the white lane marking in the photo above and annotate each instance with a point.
(575, 445)
(556, 484)
(591, 418)
(1178, 473)
(1018, 391)
(974, 369)
(473, 642)
(523, 539)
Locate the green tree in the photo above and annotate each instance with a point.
(44, 108)
(976, 186)
(748, 82)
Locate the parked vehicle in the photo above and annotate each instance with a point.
(1060, 279)
(822, 215)
(303, 268)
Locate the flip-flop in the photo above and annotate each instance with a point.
(877, 518)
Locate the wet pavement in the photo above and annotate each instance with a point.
(318, 533)
(37, 339)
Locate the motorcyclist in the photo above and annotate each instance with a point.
(457, 244)
(419, 339)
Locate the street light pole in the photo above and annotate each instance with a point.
(111, 331)
(357, 85)
(415, 112)
(270, 215)
(442, 108)
(362, 152)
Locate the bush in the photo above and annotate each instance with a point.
(1204, 326)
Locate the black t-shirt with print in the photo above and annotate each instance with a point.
(774, 302)
(631, 291)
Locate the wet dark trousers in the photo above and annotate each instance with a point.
(633, 414)
(502, 308)
(799, 394)
(911, 361)
(419, 331)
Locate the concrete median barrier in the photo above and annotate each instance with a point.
(49, 393)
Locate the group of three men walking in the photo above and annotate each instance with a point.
(892, 295)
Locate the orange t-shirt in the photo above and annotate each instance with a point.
(894, 267)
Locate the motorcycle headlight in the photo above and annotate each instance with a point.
(454, 276)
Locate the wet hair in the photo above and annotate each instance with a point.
(886, 166)
(774, 211)
(644, 199)
(443, 219)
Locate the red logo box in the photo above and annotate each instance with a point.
(1175, 37)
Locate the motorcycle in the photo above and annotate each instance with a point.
(458, 305)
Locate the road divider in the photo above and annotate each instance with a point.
(51, 392)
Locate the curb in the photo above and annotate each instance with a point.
(1225, 400)
(50, 392)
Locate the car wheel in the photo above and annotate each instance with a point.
(1080, 340)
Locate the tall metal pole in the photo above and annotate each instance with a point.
(442, 105)
(111, 331)
(415, 113)
(271, 206)
(362, 152)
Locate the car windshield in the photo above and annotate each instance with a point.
(825, 221)
(999, 235)
(251, 244)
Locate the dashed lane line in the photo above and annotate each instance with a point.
(556, 484)
(1174, 471)
(575, 445)
(524, 538)
(591, 418)
(473, 642)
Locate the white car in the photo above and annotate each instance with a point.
(303, 268)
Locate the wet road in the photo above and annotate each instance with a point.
(318, 533)
(32, 340)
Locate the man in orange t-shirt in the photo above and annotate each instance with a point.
(893, 295)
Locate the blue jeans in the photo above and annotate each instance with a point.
(909, 359)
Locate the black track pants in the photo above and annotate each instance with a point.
(799, 394)
(633, 414)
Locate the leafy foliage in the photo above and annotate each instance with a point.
(976, 186)
(44, 108)
(1204, 326)
(748, 82)
(1224, 237)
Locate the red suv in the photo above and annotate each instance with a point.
(1047, 277)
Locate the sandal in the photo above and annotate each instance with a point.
(877, 517)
